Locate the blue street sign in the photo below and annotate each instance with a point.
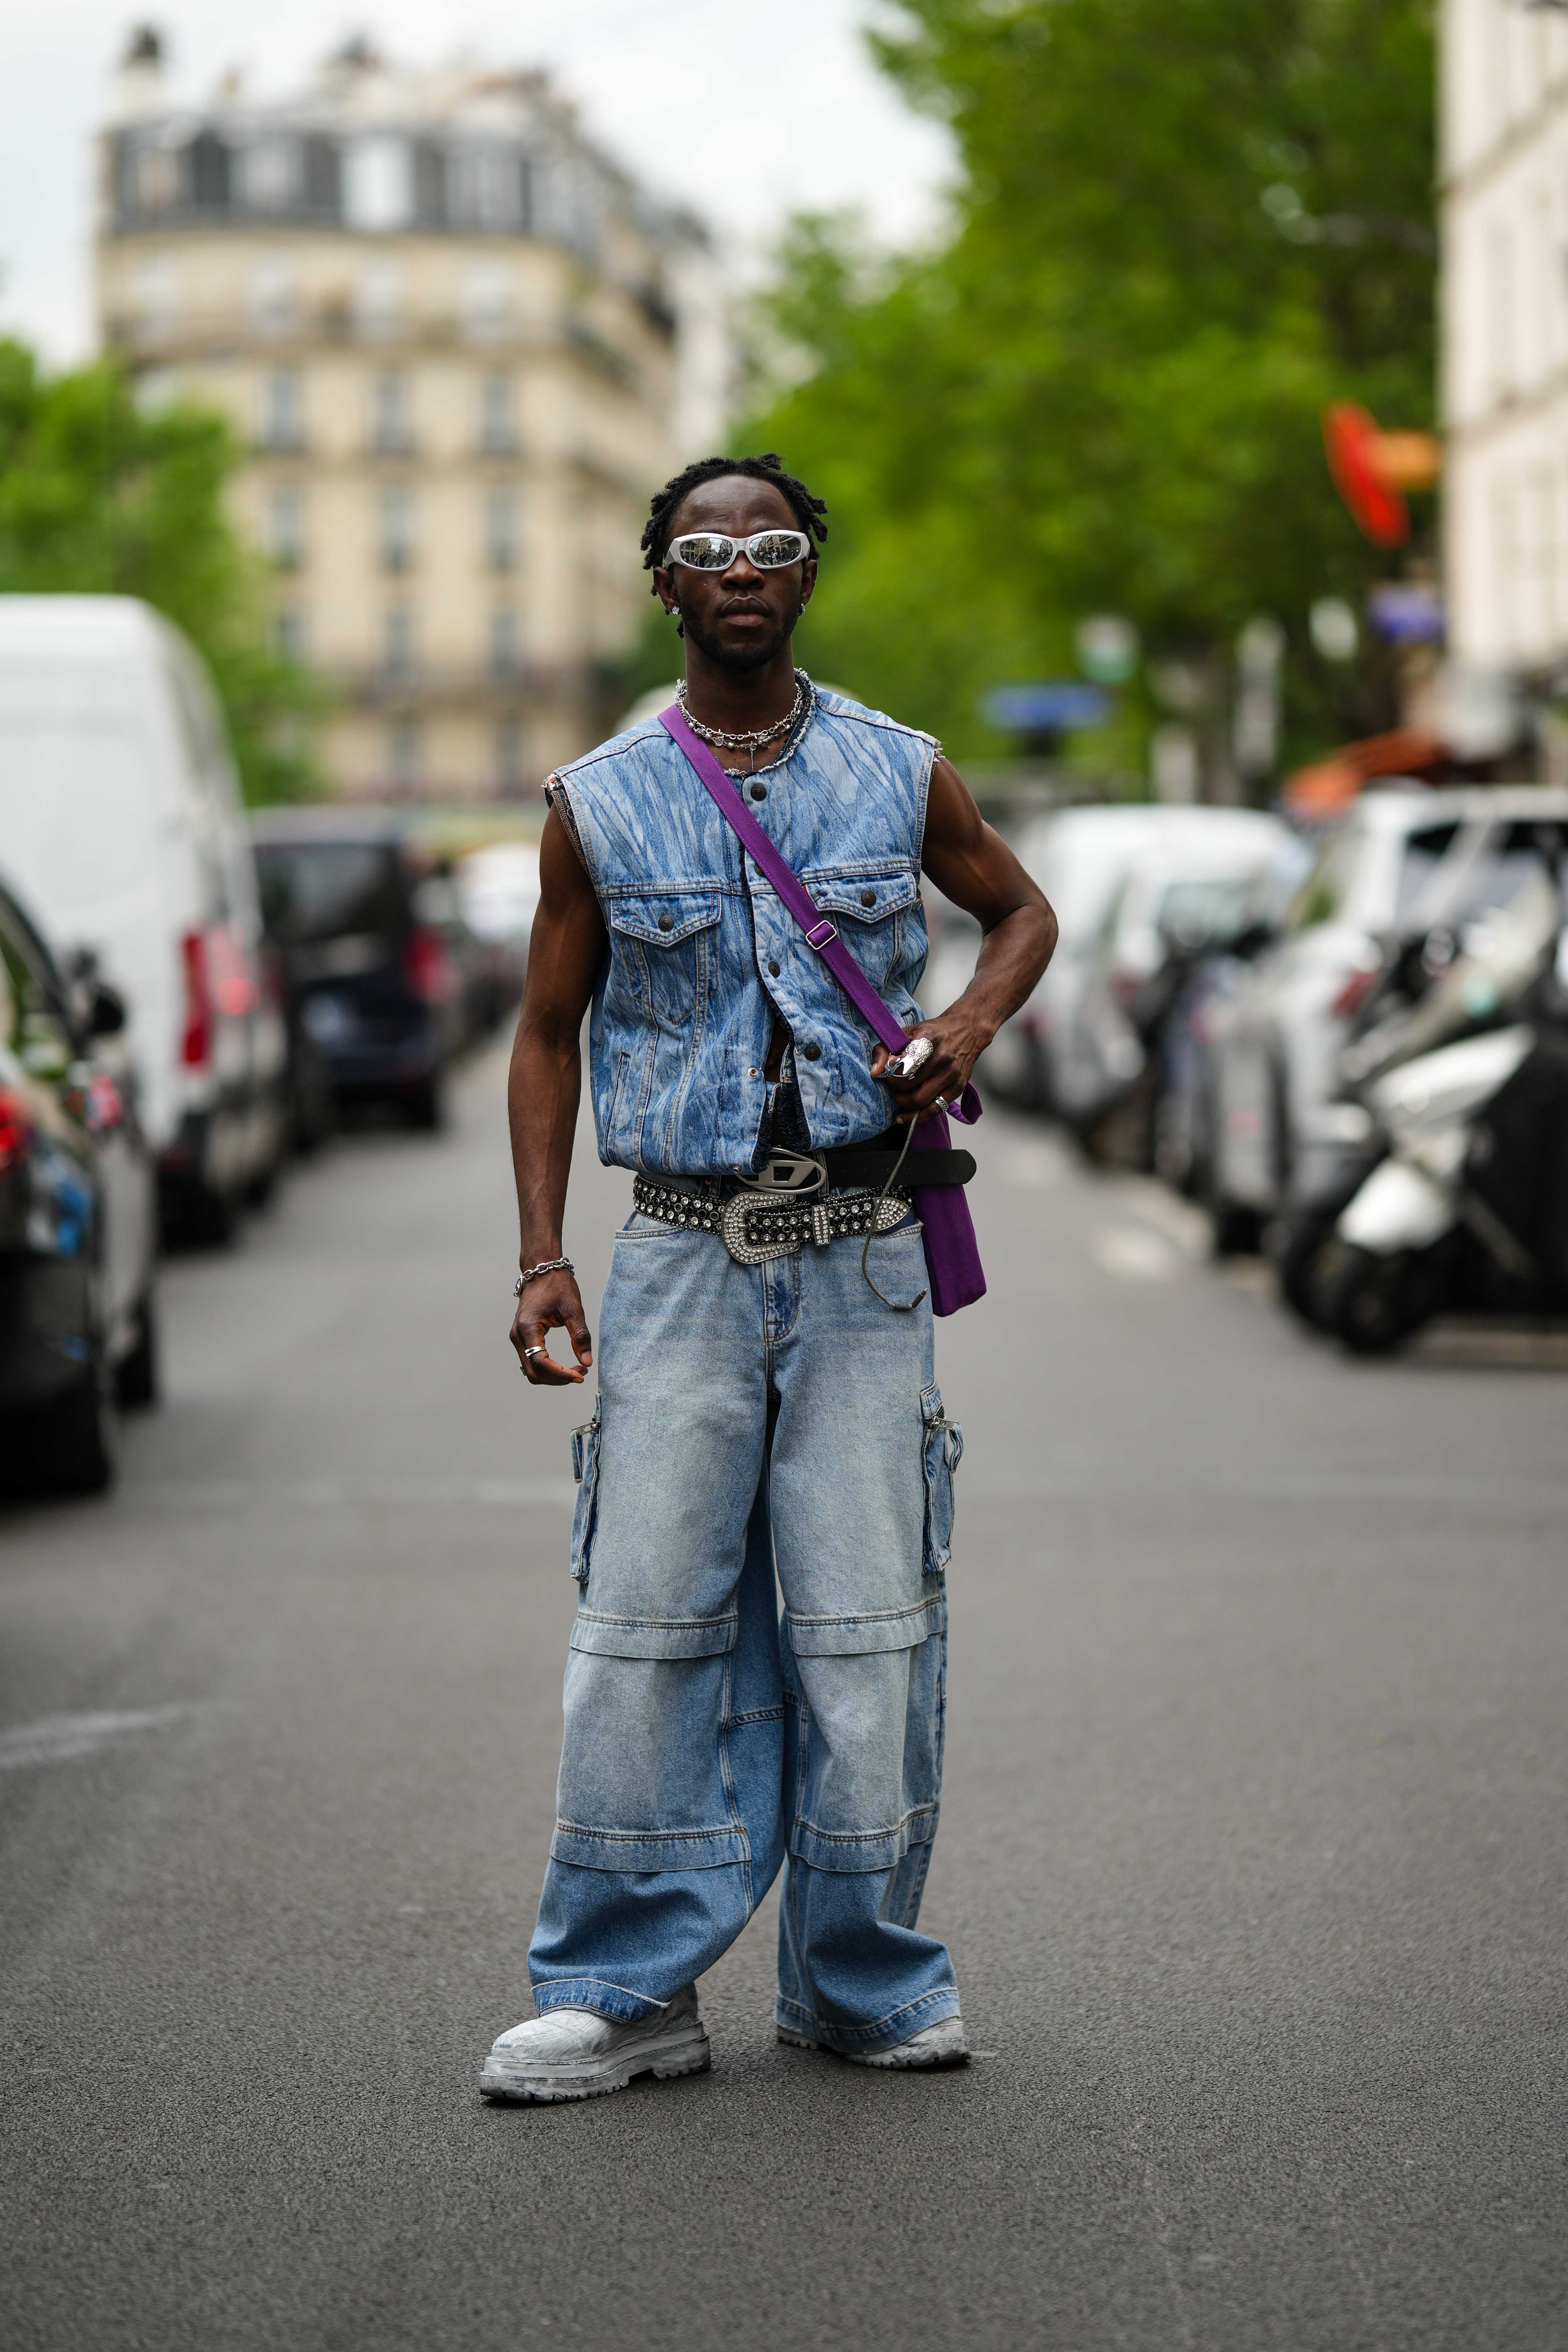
(1048, 708)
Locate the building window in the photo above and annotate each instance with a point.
(287, 519)
(487, 304)
(378, 301)
(157, 300)
(500, 529)
(510, 777)
(394, 527)
(1502, 341)
(270, 174)
(208, 165)
(390, 425)
(397, 642)
(154, 179)
(282, 409)
(496, 434)
(378, 182)
(273, 309)
(486, 187)
(506, 642)
(289, 631)
(405, 755)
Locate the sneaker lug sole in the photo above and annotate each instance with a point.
(691, 2055)
(885, 2062)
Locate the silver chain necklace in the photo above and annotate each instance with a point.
(721, 738)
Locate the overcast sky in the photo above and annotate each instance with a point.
(747, 108)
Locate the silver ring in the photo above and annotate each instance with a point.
(942, 1103)
(533, 1351)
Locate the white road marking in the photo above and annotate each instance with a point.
(329, 1494)
(1034, 1167)
(1134, 1255)
(1183, 1224)
(55, 1738)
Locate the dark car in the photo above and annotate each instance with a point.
(78, 1195)
(372, 988)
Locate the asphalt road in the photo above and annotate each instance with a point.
(1252, 1857)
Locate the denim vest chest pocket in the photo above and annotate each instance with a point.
(872, 907)
(663, 944)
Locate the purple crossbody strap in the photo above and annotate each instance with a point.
(793, 894)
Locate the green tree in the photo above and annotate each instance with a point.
(98, 497)
(1179, 232)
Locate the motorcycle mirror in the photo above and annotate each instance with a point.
(106, 1011)
(1251, 941)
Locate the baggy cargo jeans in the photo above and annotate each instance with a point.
(754, 1417)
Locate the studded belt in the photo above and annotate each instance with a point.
(753, 1227)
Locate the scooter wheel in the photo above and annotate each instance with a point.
(1307, 1262)
(1376, 1303)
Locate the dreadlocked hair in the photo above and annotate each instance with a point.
(808, 512)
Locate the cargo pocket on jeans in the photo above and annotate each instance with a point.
(644, 1782)
(943, 1453)
(865, 1765)
(586, 1470)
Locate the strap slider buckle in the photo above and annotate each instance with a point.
(828, 931)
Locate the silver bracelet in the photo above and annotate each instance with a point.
(545, 1265)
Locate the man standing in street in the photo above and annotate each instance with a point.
(767, 1395)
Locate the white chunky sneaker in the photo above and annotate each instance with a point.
(575, 2054)
(942, 2044)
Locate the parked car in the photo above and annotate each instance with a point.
(1185, 889)
(121, 823)
(372, 984)
(1046, 1057)
(78, 1221)
(1208, 966)
(1278, 1138)
(498, 888)
(438, 908)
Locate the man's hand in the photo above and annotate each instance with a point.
(551, 1302)
(958, 1037)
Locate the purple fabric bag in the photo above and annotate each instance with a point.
(951, 1252)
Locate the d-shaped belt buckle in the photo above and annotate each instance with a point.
(789, 1171)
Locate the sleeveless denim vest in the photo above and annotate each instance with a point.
(702, 956)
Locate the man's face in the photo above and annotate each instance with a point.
(743, 617)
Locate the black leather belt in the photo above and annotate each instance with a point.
(873, 1163)
(754, 1226)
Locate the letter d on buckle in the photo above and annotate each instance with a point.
(788, 1172)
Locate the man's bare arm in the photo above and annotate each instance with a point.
(972, 864)
(543, 1085)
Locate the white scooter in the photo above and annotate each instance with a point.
(1400, 1239)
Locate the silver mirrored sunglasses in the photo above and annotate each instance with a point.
(710, 550)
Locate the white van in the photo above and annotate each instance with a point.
(120, 825)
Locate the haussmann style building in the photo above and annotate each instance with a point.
(1504, 183)
(460, 348)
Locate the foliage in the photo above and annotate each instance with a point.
(1179, 232)
(98, 497)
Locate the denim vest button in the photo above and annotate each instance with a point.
(867, 898)
(813, 1053)
(666, 922)
(773, 969)
(759, 791)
